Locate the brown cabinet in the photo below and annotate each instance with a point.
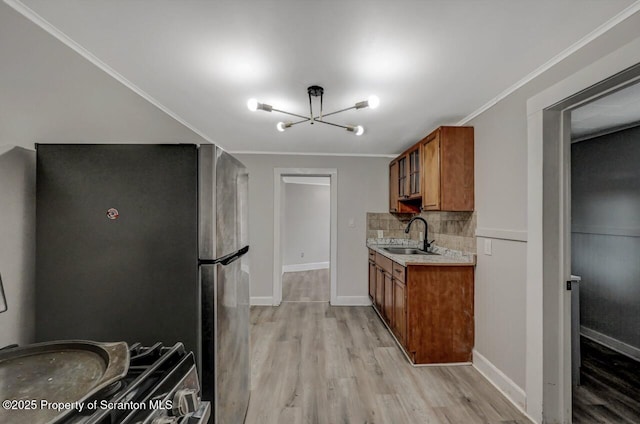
(428, 307)
(388, 298)
(414, 175)
(399, 188)
(379, 299)
(399, 324)
(372, 280)
(435, 174)
(393, 186)
(400, 311)
(447, 158)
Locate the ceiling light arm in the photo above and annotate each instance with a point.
(299, 122)
(331, 123)
(333, 113)
(306, 118)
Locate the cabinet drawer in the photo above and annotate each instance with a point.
(399, 272)
(372, 255)
(384, 263)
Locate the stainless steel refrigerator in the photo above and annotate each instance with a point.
(147, 243)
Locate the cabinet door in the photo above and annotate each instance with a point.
(379, 289)
(393, 186)
(431, 171)
(414, 173)
(372, 280)
(403, 189)
(388, 298)
(400, 311)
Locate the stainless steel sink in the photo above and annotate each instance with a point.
(406, 251)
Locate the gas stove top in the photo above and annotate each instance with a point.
(161, 387)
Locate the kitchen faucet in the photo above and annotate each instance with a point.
(426, 244)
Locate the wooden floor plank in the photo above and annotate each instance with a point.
(610, 387)
(306, 286)
(318, 364)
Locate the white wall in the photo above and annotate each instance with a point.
(362, 187)
(17, 243)
(501, 204)
(306, 225)
(50, 94)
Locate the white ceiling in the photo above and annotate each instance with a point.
(613, 111)
(430, 62)
(50, 94)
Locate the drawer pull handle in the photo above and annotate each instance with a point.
(397, 270)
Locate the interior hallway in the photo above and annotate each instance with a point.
(318, 364)
(306, 286)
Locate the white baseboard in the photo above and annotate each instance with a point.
(261, 301)
(504, 384)
(305, 267)
(613, 344)
(351, 301)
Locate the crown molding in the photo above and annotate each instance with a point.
(624, 14)
(34, 17)
(360, 155)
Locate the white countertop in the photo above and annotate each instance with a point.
(444, 256)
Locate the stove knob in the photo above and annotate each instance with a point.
(185, 402)
(165, 420)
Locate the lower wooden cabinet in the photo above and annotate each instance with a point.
(379, 300)
(388, 298)
(399, 324)
(372, 280)
(428, 307)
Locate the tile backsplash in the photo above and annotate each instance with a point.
(453, 230)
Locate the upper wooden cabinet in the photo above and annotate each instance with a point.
(413, 175)
(447, 157)
(436, 174)
(399, 187)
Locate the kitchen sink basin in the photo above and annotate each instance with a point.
(406, 251)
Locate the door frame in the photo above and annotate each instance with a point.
(548, 315)
(278, 190)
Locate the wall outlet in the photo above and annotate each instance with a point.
(487, 247)
(380, 235)
(420, 236)
(302, 254)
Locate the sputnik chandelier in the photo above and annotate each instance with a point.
(316, 91)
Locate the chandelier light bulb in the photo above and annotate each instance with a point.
(359, 130)
(280, 126)
(252, 104)
(373, 101)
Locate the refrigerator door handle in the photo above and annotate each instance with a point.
(225, 260)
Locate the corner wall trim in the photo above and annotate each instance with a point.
(495, 233)
(305, 267)
(351, 301)
(504, 384)
(261, 301)
(613, 344)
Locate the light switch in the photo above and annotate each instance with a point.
(487, 247)
(352, 223)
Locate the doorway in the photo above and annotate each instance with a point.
(605, 246)
(304, 238)
(305, 235)
(549, 364)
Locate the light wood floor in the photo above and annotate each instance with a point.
(306, 286)
(317, 364)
